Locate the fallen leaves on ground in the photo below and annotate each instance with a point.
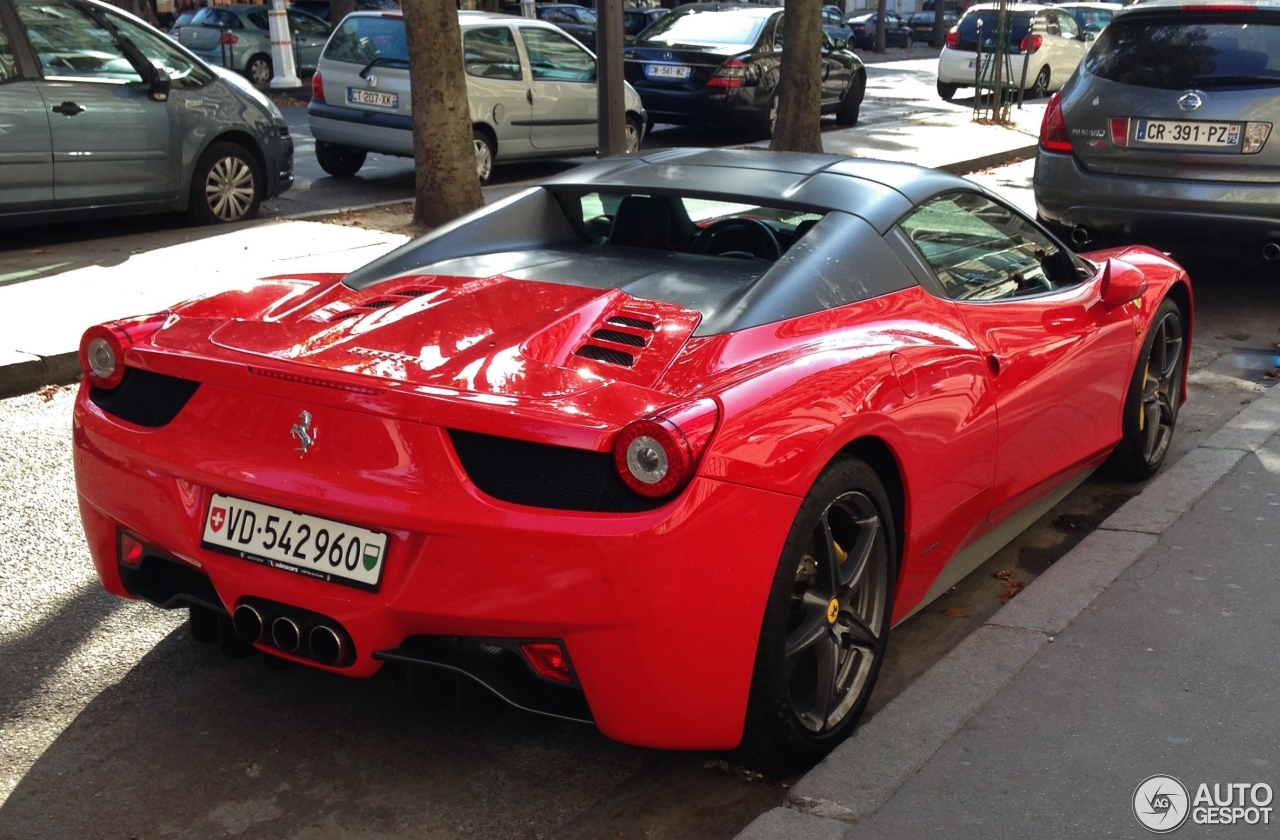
(955, 612)
(1011, 588)
(41, 251)
(725, 767)
(48, 392)
(1003, 574)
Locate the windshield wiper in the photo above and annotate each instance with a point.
(1214, 81)
(382, 59)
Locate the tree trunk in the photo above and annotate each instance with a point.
(444, 159)
(939, 24)
(882, 12)
(491, 6)
(339, 9)
(800, 84)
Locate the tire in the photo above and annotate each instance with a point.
(946, 91)
(339, 161)
(258, 69)
(1151, 405)
(791, 722)
(226, 185)
(851, 105)
(1040, 87)
(634, 133)
(485, 154)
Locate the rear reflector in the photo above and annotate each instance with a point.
(548, 660)
(1119, 131)
(131, 550)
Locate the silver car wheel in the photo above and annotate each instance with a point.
(260, 71)
(229, 189)
(633, 137)
(773, 116)
(484, 158)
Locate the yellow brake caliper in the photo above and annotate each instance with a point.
(833, 608)
(1142, 411)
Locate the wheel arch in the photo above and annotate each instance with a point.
(881, 458)
(1180, 293)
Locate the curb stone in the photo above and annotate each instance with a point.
(865, 772)
(31, 373)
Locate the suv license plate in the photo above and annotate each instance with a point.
(1185, 133)
(295, 542)
(377, 99)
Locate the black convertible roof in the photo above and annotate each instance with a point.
(875, 190)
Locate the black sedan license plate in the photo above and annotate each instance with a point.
(376, 98)
(295, 542)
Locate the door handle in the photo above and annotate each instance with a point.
(69, 109)
(528, 95)
(997, 363)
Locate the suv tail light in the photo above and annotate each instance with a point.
(657, 455)
(953, 37)
(1053, 128)
(1031, 44)
(102, 347)
(730, 75)
(317, 87)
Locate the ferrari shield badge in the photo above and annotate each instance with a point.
(304, 433)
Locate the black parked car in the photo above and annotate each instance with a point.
(635, 20)
(921, 24)
(718, 63)
(577, 21)
(833, 24)
(896, 31)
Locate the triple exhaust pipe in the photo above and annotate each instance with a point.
(293, 631)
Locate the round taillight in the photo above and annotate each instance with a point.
(652, 457)
(102, 357)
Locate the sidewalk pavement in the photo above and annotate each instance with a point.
(1148, 649)
(48, 297)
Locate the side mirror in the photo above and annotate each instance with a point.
(161, 84)
(1090, 36)
(1121, 284)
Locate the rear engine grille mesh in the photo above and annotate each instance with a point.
(413, 293)
(626, 321)
(540, 475)
(144, 398)
(378, 304)
(619, 337)
(606, 354)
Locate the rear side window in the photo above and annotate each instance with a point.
(491, 53)
(1180, 53)
(554, 58)
(360, 40)
(1018, 26)
(220, 18)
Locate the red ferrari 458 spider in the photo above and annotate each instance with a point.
(667, 444)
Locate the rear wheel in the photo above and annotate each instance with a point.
(259, 70)
(768, 120)
(485, 154)
(946, 91)
(851, 105)
(1040, 87)
(634, 133)
(339, 161)
(826, 622)
(1151, 406)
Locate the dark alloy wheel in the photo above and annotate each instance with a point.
(1040, 87)
(851, 105)
(226, 185)
(1151, 407)
(826, 623)
(339, 161)
(946, 91)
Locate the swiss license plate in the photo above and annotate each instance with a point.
(668, 71)
(295, 542)
(376, 98)
(1185, 133)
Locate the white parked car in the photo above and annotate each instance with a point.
(1047, 40)
(530, 86)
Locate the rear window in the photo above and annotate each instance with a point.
(709, 28)
(1176, 54)
(361, 40)
(968, 30)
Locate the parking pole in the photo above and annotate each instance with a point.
(286, 71)
(611, 129)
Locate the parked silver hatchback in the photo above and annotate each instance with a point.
(531, 90)
(1165, 134)
(101, 114)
